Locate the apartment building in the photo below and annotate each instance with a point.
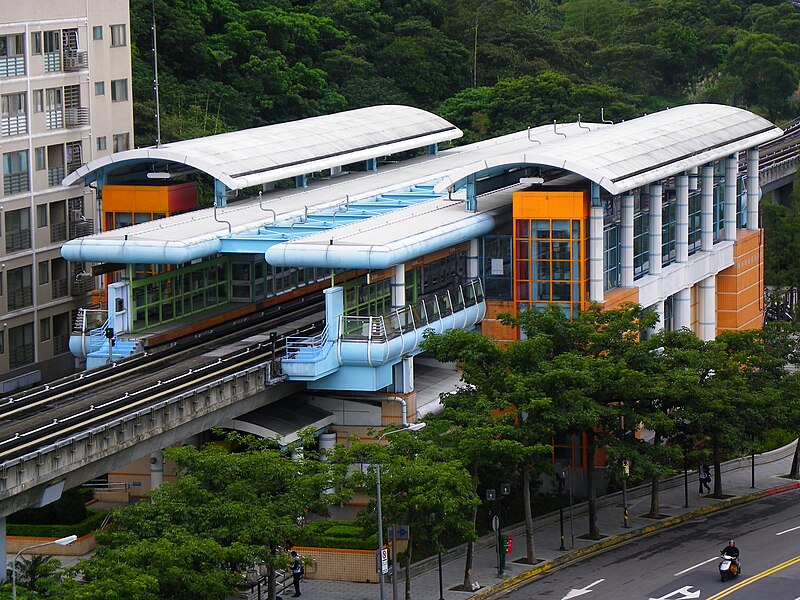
(65, 89)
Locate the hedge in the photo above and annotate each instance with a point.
(91, 523)
(336, 534)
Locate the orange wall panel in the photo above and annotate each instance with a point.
(166, 199)
(740, 287)
(616, 297)
(551, 205)
(492, 327)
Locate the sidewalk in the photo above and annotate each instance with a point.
(736, 480)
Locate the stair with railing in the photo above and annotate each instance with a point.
(353, 346)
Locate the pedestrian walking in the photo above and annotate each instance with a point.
(704, 478)
(297, 573)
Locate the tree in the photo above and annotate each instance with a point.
(225, 511)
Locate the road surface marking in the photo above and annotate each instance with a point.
(788, 530)
(685, 592)
(705, 562)
(584, 590)
(755, 578)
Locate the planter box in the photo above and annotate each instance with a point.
(83, 545)
(340, 564)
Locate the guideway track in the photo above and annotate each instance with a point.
(127, 388)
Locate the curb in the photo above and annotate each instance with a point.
(550, 565)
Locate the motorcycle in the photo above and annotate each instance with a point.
(729, 567)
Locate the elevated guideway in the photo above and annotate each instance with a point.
(58, 436)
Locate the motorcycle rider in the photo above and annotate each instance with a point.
(732, 551)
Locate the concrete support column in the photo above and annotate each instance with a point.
(694, 179)
(707, 323)
(403, 376)
(731, 168)
(707, 208)
(682, 307)
(753, 191)
(301, 181)
(473, 259)
(658, 307)
(626, 242)
(3, 548)
(656, 220)
(327, 441)
(336, 171)
(371, 164)
(398, 286)
(682, 218)
(596, 248)
(156, 470)
(433, 149)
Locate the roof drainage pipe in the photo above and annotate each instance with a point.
(403, 408)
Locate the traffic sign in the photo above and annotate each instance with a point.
(495, 523)
(382, 560)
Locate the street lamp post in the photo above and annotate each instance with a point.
(61, 542)
(412, 427)
(561, 477)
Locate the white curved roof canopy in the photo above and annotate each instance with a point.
(647, 149)
(261, 155)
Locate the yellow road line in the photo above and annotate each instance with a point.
(755, 578)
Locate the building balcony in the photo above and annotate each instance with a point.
(82, 228)
(21, 355)
(19, 240)
(54, 176)
(358, 352)
(16, 183)
(58, 232)
(17, 125)
(13, 66)
(60, 288)
(76, 60)
(76, 116)
(19, 298)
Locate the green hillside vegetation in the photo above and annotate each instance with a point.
(489, 66)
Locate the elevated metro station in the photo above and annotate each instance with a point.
(396, 232)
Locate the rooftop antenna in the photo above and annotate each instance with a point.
(155, 79)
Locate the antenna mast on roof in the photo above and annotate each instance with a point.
(155, 79)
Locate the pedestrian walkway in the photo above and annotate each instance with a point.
(737, 481)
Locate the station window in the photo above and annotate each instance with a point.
(611, 257)
(669, 229)
(568, 450)
(496, 272)
(694, 221)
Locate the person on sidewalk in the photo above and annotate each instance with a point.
(297, 573)
(704, 478)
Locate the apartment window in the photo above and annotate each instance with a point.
(15, 172)
(41, 215)
(12, 45)
(54, 108)
(97, 32)
(44, 272)
(12, 55)
(100, 88)
(39, 158)
(44, 329)
(20, 288)
(13, 114)
(36, 42)
(38, 101)
(101, 142)
(119, 90)
(2, 342)
(121, 142)
(20, 343)
(52, 51)
(118, 37)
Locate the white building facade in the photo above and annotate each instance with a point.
(65, 91)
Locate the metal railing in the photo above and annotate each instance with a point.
(20, 298)
(16, 125)
(76, 116)
(54, 176)
(81, 228)
(76, 60)
(90, 319)
(58, 232)
(60, 288)
(405, 320)
(18, 240)
(13, 66)
(297, 346)
(16, 183)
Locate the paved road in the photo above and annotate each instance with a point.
(681, 563)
